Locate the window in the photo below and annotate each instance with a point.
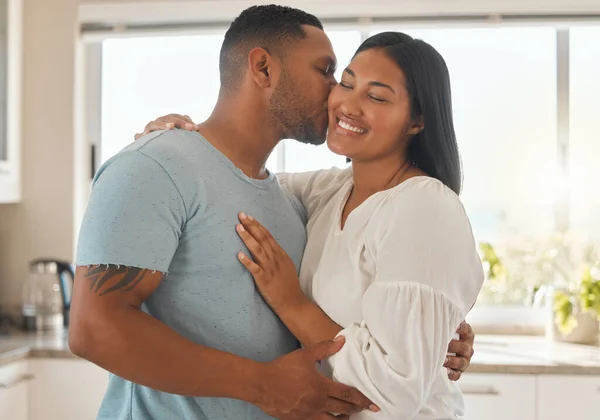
(504, 103)
(144, 78)
(506, 109)
(584, 144)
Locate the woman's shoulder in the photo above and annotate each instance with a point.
(420, 203)
(420, 191)
(425, 226)
(317, 182)
(333, 175)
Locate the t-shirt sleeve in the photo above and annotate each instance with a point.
(135, 215)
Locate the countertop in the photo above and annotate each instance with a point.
(20, 345)
(533, 355)
(493, 353)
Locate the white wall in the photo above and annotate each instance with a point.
(42, 224)
(3, 70)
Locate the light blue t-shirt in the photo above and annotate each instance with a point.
(169, 202)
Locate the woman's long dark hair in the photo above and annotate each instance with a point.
(434, 150)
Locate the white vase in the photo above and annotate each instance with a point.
(587, 330)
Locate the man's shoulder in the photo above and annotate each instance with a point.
(181, 154)
(163, 159)
(171, 146)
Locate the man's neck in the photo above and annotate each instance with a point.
(242, 132)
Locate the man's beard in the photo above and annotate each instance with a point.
(289, 109)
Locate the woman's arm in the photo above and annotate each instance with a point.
(277, 280)
(309, 323)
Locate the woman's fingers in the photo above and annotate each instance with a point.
(259, 232)
(256, 249)
(251, 266)
(154, 126)
(179, 121)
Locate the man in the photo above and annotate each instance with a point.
(160, 300)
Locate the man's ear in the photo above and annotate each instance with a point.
(262, 67)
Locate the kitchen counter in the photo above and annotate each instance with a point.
(20, 345)
(533, 355)
(493, 353)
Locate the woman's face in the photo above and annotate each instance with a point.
(369, 110)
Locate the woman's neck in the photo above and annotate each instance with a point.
(375, 176)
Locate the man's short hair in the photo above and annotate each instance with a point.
(271, 27)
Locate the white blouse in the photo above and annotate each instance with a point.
(399, 278)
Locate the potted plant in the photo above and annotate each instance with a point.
(520, 270)
(577, 308)
(560, 268)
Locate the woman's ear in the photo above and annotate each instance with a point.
(417, 126)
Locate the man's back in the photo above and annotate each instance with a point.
(207, 295)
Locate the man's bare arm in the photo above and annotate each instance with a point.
(109, 329)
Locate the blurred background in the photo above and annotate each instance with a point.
(79, 78)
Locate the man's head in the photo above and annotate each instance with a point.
(288, 60)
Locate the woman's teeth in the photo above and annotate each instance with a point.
(349, 127)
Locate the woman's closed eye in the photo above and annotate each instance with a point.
(376, 99)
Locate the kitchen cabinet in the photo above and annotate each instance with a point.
(499, 397)
(14, 390)
(65, 389)
(568, 397)
(11, 32)
(72, 389)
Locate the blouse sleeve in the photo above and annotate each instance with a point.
(428, 276)
(313, 188)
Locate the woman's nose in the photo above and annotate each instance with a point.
(351, 106)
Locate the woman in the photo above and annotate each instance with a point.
(390, 263)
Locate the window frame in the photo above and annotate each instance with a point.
(531, 318)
